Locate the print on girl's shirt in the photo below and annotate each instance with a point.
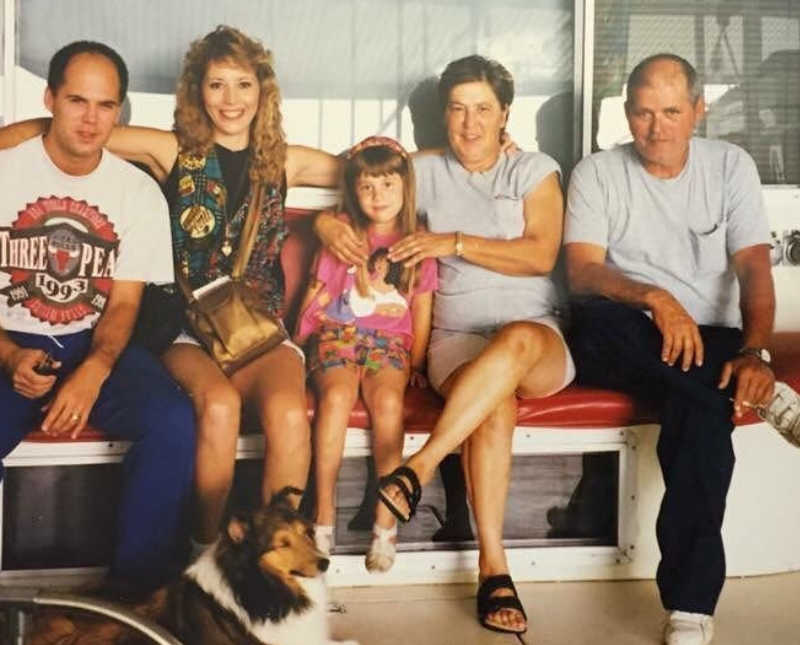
(383, 299)
(336, 298)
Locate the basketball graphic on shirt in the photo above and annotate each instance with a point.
(60, 256)
(63, 250)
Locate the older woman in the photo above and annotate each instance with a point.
(494, 224)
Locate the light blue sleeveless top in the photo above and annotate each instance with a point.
(488, 204)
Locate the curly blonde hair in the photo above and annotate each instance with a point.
(194, 128)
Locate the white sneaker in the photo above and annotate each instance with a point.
(323, 538)
(783, 413)
(685, 628)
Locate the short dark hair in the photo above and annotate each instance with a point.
(477, 68)
(638, 77)
(60, 60)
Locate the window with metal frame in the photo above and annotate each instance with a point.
(347, 69)
(748, 54)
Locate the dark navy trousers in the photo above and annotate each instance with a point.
(619, 347)
(139, 402)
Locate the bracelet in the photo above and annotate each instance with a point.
(459, 244)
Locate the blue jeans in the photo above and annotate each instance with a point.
(139, 402)
(619, 347)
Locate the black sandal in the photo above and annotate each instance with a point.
(412, 494)
(489, 604)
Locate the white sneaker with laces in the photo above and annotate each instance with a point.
(783, 413)
(685, 628)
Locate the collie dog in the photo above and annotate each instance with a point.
(260, 584)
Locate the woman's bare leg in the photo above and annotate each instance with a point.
(217, 407)
(486, 460)
(274, 384)
(488, 469)
(523, 357)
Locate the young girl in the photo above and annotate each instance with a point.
(367, 328)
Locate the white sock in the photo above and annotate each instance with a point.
(323, 537)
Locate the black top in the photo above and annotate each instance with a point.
(234, 164)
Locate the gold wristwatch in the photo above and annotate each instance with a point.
(459, 244)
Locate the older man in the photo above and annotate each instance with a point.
(668, 248)
(80, 233)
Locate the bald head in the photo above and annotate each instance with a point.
(665, 67)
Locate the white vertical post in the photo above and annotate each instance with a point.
(9, 58)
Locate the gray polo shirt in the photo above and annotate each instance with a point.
(677, 233)
(488, 204)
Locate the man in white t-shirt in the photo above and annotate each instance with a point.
(667, 240)
(81, 231)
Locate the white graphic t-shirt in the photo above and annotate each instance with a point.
(65, 238)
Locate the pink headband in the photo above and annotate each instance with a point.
(372, 142)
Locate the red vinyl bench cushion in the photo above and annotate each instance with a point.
(574, 407)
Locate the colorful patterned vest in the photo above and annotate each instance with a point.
(205, 240)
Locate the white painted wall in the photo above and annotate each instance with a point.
(783, 210)
(762, 517)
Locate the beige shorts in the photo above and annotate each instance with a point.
(449, 350)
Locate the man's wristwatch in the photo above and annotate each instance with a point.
(758, 352)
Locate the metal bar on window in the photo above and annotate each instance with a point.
(586, 50)
(578, 73)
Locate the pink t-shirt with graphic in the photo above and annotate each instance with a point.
(385, 306)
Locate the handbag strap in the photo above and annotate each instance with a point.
(183, 283)
(249, 231)
(246, 243)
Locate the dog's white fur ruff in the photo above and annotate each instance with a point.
(309, 627)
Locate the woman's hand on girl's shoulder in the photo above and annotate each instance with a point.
(414, 248)
(508, 145)
(337, 235)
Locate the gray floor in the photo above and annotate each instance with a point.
(752, 611)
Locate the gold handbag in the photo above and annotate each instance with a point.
(226, 315)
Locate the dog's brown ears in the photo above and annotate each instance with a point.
(238, 529)
(281, 498)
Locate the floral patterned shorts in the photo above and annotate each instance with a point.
(342, 345)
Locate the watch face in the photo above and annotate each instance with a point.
(758, 352)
